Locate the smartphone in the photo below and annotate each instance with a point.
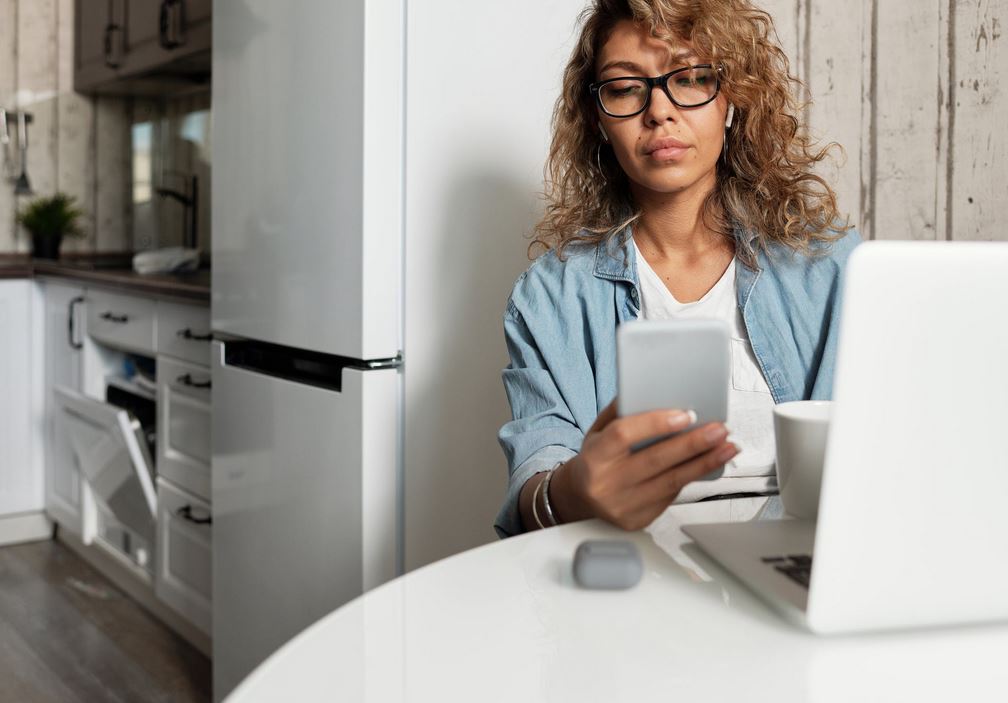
(674, 364)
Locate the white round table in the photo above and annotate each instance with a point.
(506, 622)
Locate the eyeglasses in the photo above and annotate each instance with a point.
(691, 86)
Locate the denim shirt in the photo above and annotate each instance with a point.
(560, 327)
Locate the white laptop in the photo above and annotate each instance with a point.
(913, 512)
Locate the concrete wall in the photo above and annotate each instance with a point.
(912, 90)
(77, 145)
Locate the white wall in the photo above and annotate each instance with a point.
(475, 151)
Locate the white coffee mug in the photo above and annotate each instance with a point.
(801, 428)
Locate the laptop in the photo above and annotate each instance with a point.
(912, 528)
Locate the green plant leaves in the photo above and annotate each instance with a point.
(52, 216)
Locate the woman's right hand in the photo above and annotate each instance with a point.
(607, 481)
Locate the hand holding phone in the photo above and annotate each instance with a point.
(674, 364)
(634, 462)
(608, 480)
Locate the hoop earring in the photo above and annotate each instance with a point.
(598, 162)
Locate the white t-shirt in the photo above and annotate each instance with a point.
(750, 405)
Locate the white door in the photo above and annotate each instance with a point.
(64, 336)
(307, 138)
(20, 482)
(304, 496)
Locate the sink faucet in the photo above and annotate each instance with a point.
(191, 204)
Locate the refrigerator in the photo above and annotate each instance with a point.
(373, 178)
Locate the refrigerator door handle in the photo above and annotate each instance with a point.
(372, 364)
(298, 365)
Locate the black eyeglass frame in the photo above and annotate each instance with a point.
(660, 82)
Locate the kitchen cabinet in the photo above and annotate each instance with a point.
(21, 485)
(183, 332)
(99, 35)
(128, 427)
(121, 321)
(63, 342)
(182, 575)
(161, 31)
(183, 438)
(142, 47)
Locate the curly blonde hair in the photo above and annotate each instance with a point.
(765, 185)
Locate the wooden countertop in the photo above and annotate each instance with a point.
(112, 271)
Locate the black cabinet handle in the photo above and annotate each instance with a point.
(164, 23)
(186, 513)
(112, 317)
(187, 380)
(171, 24)
(187, 333)
(74, 344)
(179, 36)
(110, 29)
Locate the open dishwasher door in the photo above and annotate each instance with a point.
(113, 458)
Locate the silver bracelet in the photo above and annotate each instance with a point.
(535, 497)
(546, 500)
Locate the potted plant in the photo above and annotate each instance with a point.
(48, 220)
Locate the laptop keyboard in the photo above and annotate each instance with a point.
(797, 567)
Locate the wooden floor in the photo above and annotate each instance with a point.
(68, 634)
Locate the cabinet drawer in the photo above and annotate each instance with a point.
(183, 331)
(121, 321)
(182, 578)
(183, 428)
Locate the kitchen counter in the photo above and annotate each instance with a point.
(15, 266)
(110, 270)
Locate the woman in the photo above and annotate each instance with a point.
(679, 185)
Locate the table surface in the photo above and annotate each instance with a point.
(506, 622)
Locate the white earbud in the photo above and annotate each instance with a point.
(602, 129)
(731, 116)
